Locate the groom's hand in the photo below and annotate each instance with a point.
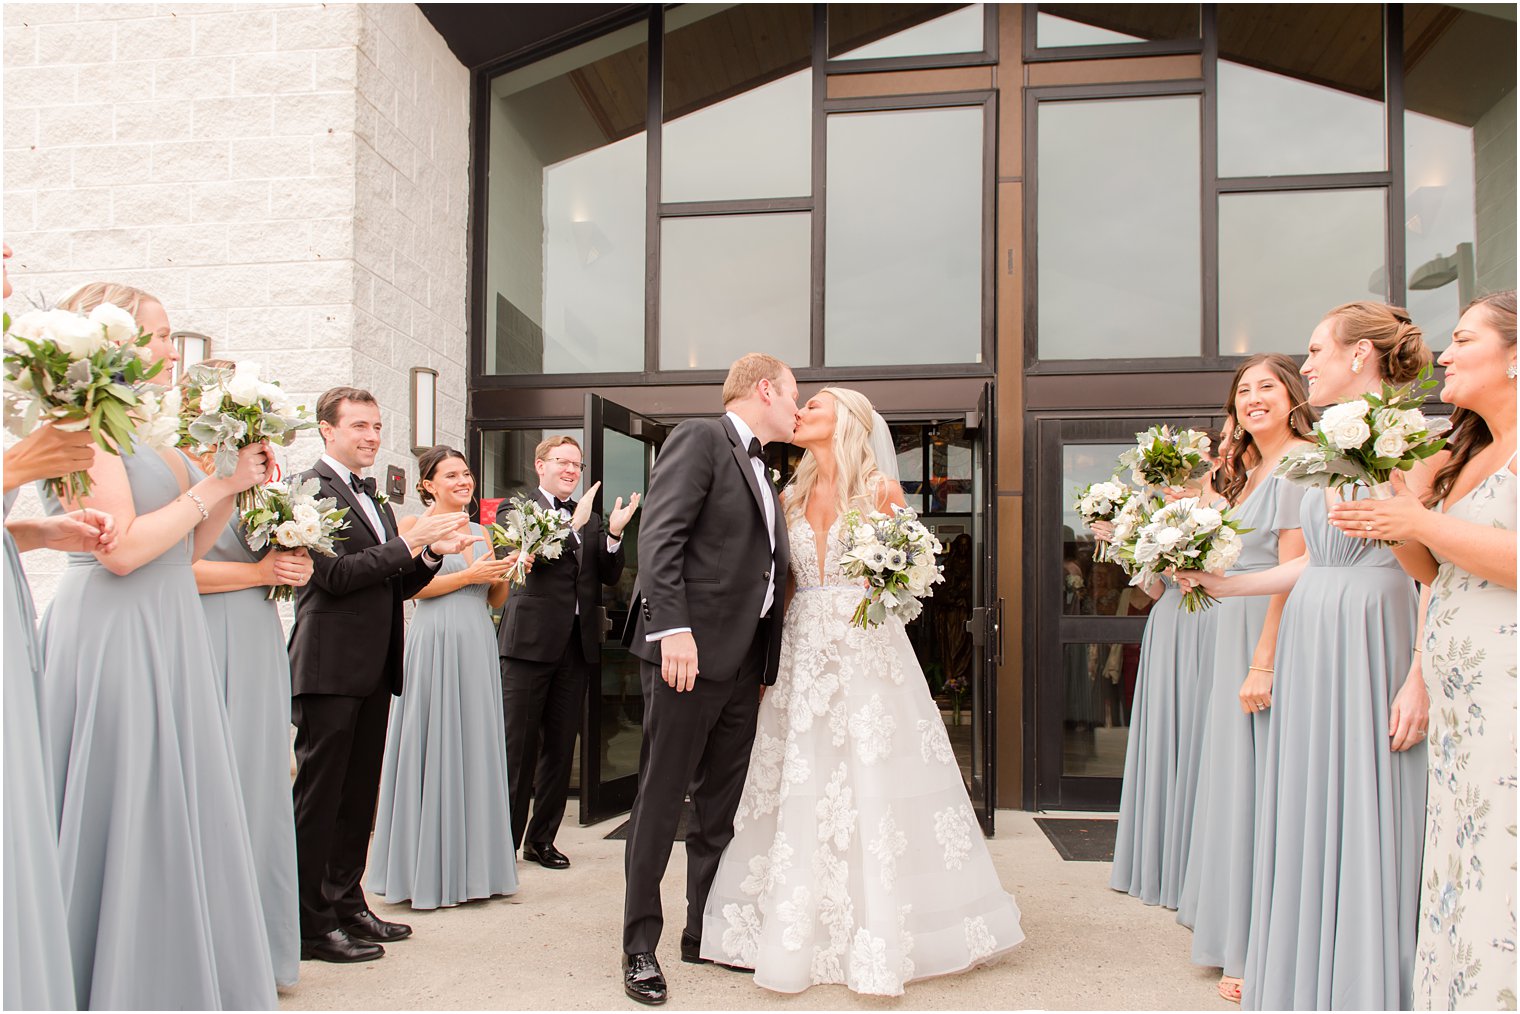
(678, 661)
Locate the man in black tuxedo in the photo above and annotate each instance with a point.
(707, 629)
(550, 645)
(345, 663)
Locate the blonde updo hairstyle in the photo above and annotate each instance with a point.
(859, 481)
(1398, 345)
(91, 294)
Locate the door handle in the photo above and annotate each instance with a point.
(977, 626)
(603, 624)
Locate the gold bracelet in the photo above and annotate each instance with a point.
(1259, 668)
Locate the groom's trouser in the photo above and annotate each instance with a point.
(697, 741)
(340, 743)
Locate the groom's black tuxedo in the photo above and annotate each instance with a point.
(706, 560)
(345, 663)
(550, 644)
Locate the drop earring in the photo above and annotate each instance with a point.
(1356, 365)
(1510, 373)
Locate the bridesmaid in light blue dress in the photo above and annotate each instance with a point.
(253, 677)
(1160, 769)
(38, 972)
(158, 873)
(1341, 816)
(443, 829)
(1268, 414)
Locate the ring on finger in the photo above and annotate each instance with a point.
(1367, 526)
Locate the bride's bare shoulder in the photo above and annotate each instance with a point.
(889, 494)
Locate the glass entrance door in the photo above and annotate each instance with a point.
(620, 449)
(1088, 622)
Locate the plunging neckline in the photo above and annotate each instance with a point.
(819, 558)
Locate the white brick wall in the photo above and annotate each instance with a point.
(291, 179)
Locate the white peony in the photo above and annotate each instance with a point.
(1168, 537)
(119, 326)
(1206, 519)
(288, 535)
(75, 335)
(244, 386)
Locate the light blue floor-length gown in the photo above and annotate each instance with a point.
(253, 675)
(443, 830)
(1175, 654)
(158, 874)
(38, 975)
(1341, 820)
(1216, 893)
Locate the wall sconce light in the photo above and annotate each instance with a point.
(424, 408)
(192, 348)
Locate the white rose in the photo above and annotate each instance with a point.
(863, 535)
(310, 530)
(305, 514)
(1391, 444)
(1414, 421)
(1348, 433)
(119, 326)
(75, 335)
(243, 388)
(1357, 408)
(288, 534)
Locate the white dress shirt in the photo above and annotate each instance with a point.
(768, 499)
(371, 510)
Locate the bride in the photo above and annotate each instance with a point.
(856, 858)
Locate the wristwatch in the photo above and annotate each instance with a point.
(428, 556)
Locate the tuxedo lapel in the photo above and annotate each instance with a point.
(741, 457)
(359, 522)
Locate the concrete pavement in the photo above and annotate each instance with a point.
(555, 946)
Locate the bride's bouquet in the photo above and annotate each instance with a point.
(530, 529)
(1164, 457)
(291, 515)
(80, 372)
(226, 409)
(1102, 501)
(1183, 535)
(895, 555)
(1362, 442)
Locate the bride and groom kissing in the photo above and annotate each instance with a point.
(831, 838)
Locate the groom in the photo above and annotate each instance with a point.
(707, 629)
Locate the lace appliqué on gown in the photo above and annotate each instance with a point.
(856, 857)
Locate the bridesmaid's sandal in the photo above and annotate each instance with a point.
(1229, 988)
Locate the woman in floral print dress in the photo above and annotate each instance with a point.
(1464, 547)
(856, 857)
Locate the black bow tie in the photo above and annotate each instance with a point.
(365, 486)
(564, 505)
(754, 447)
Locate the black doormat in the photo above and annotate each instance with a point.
(621, 834)
(1081, 840)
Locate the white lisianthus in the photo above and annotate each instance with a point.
(119, 326)
(244, 387)
(288, 534)
(1390, 444)
(1347, 433)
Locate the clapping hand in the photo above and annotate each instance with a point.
(1394, 520)
(583, 508)
(439, 531)
(47, 453)
(620, 516)
(488, 570)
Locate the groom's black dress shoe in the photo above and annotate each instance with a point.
(367, 927)
(642, 979)
(692, 955)
(545, 854)
(340, 947)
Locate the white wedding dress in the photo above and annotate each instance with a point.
(856, 857)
